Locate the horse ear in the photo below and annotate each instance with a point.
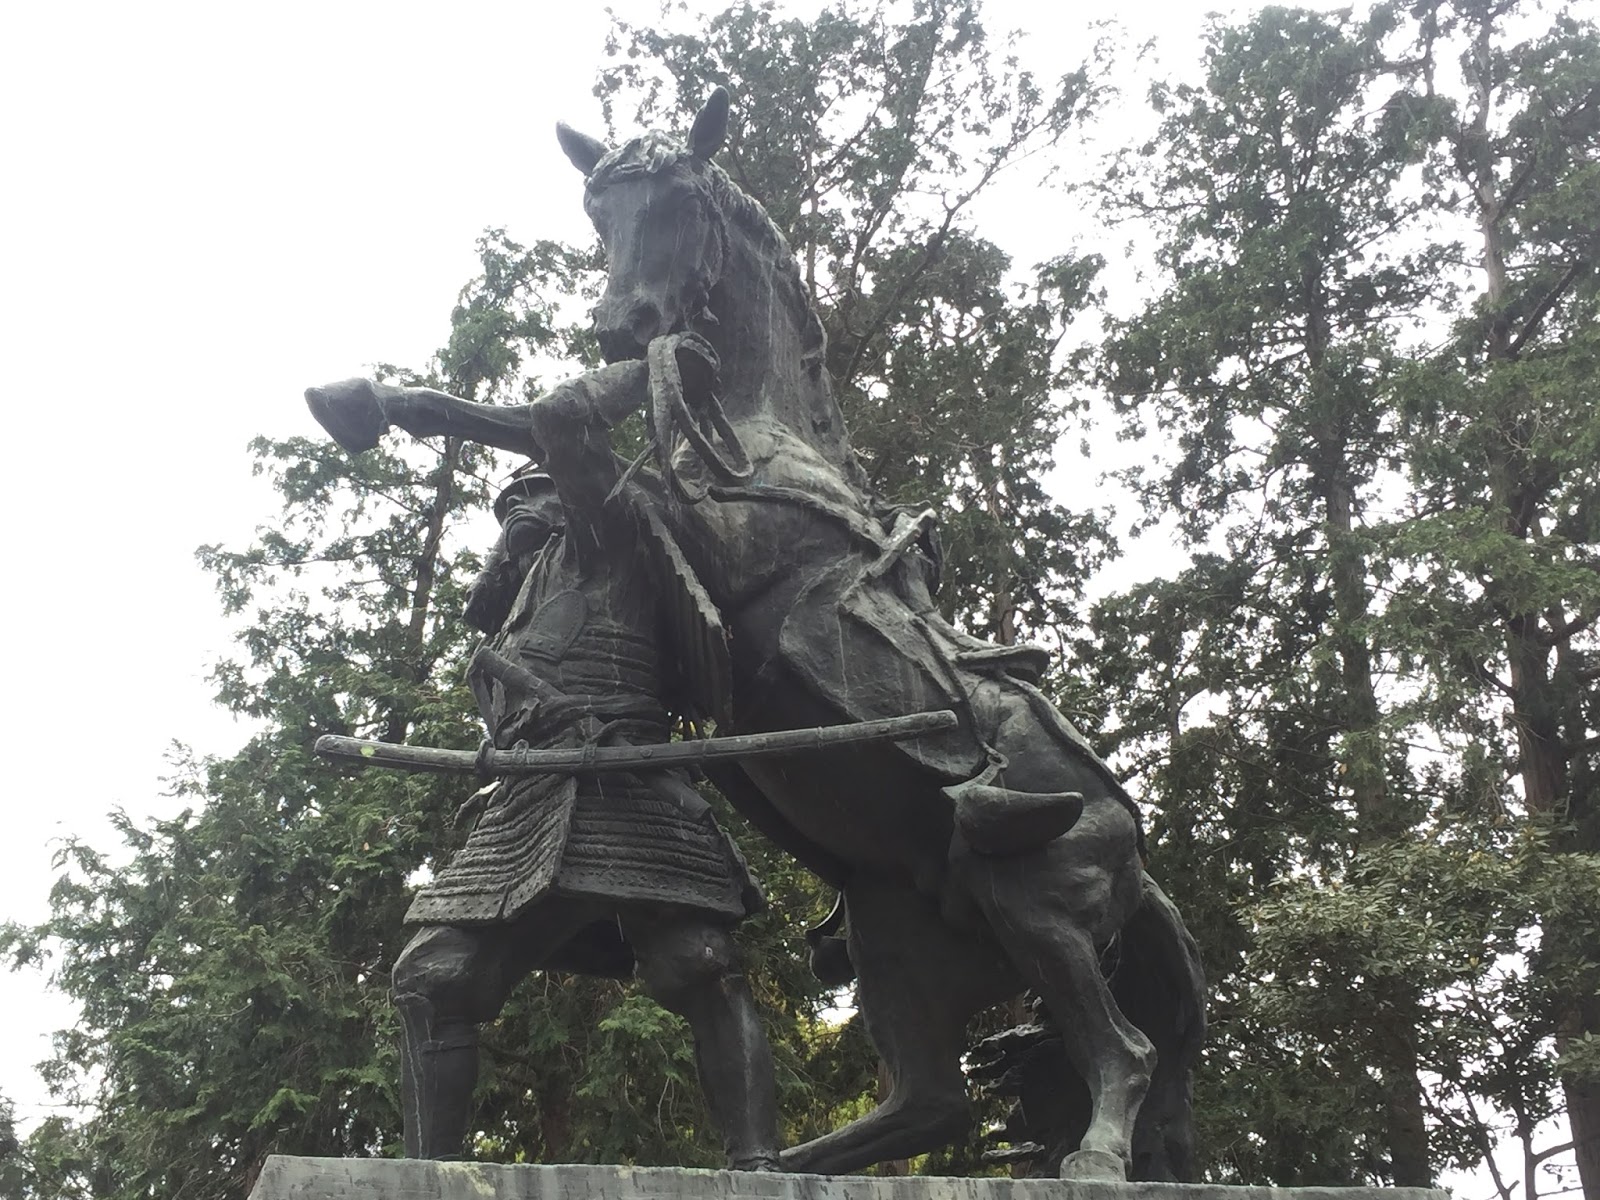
(710, 126)
(583, 150)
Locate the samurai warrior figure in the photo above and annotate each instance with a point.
(607, 874)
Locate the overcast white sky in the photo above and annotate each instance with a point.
(206, 208)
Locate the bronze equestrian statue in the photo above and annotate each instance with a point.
(999, 855)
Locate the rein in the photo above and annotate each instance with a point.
(669, 415)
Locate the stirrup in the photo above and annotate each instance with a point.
(1028, 663)
(1001, 821)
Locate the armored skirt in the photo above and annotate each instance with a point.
(607, 840)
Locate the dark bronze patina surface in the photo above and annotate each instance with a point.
(976, 861)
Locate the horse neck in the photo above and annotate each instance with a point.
(761, 339)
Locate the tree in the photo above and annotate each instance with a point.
(1379, 723)
(1503, 451)
(1265, 364)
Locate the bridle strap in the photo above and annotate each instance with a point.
(670, 416)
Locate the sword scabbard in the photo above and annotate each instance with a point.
(652, 756)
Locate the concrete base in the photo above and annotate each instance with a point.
(285, 1178)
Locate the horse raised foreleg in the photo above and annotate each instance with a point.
(357, 412)
(1048, 909)
(918, 983)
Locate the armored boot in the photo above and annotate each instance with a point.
(735, 1067)
(439, 1069)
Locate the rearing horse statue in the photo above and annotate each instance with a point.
(1000, 856)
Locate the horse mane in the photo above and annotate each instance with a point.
(754, 219)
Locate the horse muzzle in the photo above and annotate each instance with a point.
(626, 331)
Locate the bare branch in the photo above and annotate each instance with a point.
(1531, 325)
(1552, 1151)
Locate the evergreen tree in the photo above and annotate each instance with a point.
(1502, 541)
(1265, 361)
(1489, 571)
(1317, 701)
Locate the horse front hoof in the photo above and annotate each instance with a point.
(1094, 1164)
(350, 412)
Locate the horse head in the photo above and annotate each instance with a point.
(655, 204)
(688, 251)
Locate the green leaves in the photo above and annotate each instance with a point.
(1372, 690)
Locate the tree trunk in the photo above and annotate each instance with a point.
(1547, 787)
(1378, 817)
(412, 663)
(1583, 1099)
(1583, 1018)
(1543, 754)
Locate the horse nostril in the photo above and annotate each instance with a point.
(618, 345)
(626, 329)
(644, 322)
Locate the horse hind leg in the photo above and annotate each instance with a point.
(1160, 984)
(918, 983)
(1046, 909)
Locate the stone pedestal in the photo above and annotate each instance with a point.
(285, 1178)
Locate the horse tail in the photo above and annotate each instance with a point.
(1159, 983)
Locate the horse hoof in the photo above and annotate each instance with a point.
(1093, 1164)
(350, 412)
